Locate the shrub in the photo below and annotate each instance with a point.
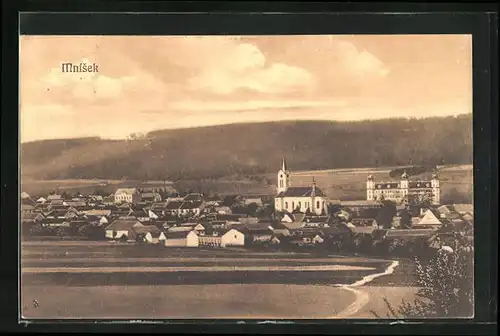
(445, 286)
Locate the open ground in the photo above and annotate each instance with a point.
(103, 280)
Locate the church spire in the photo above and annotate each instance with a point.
(313, 192)
(283, 165)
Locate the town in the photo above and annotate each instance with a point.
(402, 217)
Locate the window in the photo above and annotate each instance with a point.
(317, 204)
(281, 183)
(286, 205)
(299, 205)
(293, 205)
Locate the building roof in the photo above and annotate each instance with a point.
(193, 197)
(97, 212)
(173, 205)
(293, 225)
(191, 205)
(128, 191)
(387, 185)
(301, 192)
(464, 208)
(177, 234)
(409, 233)
(419, 184)
(146, 229)
(361, 203)
(123, 224)
(54, 197)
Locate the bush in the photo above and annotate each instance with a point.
(446, 286)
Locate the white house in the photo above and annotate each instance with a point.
(430, 219)
(127, 195)
(232, 238)
(301, 199)
(41, 200)
(182, 239)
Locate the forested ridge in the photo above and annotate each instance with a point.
(246, 149)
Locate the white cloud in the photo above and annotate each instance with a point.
(227, 65)
(359, 63)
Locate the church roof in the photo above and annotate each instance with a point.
(300, 192)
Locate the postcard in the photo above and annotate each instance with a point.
(246, 177)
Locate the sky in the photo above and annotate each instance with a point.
(148, 83)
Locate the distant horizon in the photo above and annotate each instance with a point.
(243, 122)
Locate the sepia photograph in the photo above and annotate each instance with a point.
(271, 177)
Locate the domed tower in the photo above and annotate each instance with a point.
(370, 187)
(436, 191)
(283, 178)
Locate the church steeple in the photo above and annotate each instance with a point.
(313, 192)
(283, 178)
(283, 165)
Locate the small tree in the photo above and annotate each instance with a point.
(446, 285)
(405, 219)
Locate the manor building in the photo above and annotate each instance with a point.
(298, 199)
(404, 190)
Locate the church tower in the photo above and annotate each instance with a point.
(436, 191)
(283, 178)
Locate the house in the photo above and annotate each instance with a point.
(151, 197)
(232, 237)
(360, 205)
(225, 238)
(41, 200)
(148, 233)
(429, 220)
(193, 197)
(464, 208)
(27, 208)
(121, 227)
(197, 228)
(303, 199)
(127, 195)
(172, 207)
(32, 218)
(181, 239)
(256, 200)
(223, 210)
(307, 239)
(54, 197)
(25, 195)
(295, 217)
(141, 215)
(97, 212)
(259, 234)
(360, 221)
(56, 222)
(191, 208)
(108, 200)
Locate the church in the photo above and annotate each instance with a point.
(303, 199)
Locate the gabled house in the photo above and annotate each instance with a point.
(147, 233)
(97, 212)
(191, 208)
(127, 195)
(151, 197)
(122, 227)
(172, 208)
(429, 220)
(41, 200)
(181, 239)
(224, 238)
(54, 197)
(193, 197)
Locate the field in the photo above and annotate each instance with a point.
(104, 280)
(343, 184)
